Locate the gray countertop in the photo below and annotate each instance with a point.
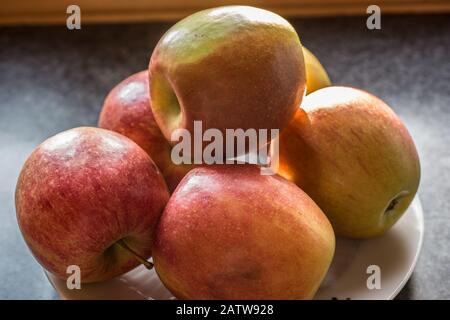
(52, 79)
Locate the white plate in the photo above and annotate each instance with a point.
(395, 253)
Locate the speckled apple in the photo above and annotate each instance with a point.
(354, 157)
(230, 67)
(81, 192)
(127, 111)
(229, 232)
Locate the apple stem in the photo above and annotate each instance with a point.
(393, 203)
(146, 263)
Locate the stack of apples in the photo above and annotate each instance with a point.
(107, 199)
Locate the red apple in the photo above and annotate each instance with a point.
(127, 110)
(229, 232)
(89, 197)
(230, 67)
(354, 157)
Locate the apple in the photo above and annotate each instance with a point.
(316, 75)
(229, 67)
(354, 157)
(89, 197)
(229, 232)
(127, 111)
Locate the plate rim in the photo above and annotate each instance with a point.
(418, 203)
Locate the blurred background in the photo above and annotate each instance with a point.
(95, 11)
(53, 79)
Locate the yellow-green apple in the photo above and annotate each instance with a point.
(89, 197)
(229, 232)
(316, 75)
(127, 110)
(354, 157)
(230, 67)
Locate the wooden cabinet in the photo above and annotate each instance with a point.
(54, 11)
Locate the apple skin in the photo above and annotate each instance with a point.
(230, 67)
(352, 155)
(316, 75)
(229, 232)
(79, 193)
(127, 111)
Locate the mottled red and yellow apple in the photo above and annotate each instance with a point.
(127, 111)
(229, 67)
(354, 157)
(229, 232)
(82, 196)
